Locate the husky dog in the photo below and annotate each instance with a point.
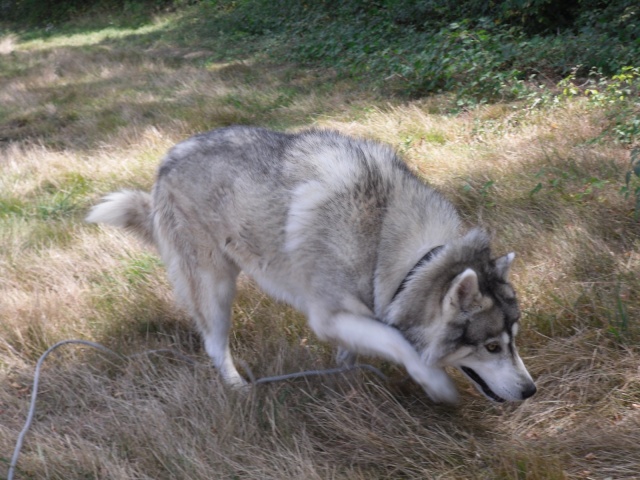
(342, 230)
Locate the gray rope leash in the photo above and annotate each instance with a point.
(311, 373)
(34, 395)
(254, 381)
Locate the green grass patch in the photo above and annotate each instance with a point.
(11, 207)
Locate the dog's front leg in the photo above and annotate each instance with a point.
(368, 336)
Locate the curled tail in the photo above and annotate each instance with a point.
(129, 209)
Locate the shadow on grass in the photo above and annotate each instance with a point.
(77, 97)
(80, 116)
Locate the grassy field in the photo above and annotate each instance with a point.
(84, 112)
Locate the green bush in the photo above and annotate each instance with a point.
(480, 50)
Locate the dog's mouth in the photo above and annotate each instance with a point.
(482, 384)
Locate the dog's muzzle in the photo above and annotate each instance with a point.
(529, 391)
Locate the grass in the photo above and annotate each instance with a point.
(87, 113)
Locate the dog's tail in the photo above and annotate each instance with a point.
(129, 209)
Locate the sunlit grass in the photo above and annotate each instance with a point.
(91, 36)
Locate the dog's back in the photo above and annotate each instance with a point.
(306, 215)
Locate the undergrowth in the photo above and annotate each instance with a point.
(481, 52)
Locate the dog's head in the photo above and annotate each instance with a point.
(468, 317)
(481, 327)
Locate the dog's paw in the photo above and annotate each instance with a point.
(449, 397)
(234, 381)
(441, 387)
(237, 383)
(345, 358)
(437, 384)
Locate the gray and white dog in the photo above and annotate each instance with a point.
(343, 231)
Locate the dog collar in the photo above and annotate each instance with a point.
(426, 258)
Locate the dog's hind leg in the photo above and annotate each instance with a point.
(345, 357)
(207, 289)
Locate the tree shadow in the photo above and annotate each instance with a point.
(77, 97)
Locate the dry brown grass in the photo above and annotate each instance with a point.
(82, 116)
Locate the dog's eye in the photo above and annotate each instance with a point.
(493, 347)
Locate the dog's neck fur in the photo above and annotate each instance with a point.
(429, 281)
(402, 244)
(425, 259)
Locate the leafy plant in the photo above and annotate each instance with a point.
(480, 51)
(620, 96)
(484, 192)
(631, 187)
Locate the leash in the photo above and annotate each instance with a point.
(254, 381)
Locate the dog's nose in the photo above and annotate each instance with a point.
(529, 391)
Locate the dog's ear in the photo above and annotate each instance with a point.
(464, 290)
(503, 264)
